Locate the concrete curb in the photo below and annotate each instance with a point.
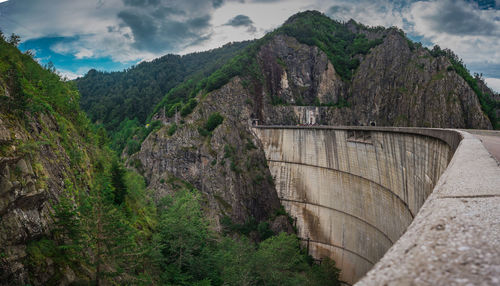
(455, 237)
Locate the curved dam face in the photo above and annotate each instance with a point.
(354, 191)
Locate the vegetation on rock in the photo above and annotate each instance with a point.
(102, 225)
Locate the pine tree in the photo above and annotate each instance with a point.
(109, 236)
(67, 230)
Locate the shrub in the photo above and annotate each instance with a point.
(188, 107)
(172, 129)
(214, 120)
(133, 146)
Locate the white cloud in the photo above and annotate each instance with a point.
(68, 74)
(472, 34)
(493, 83)
(130, 30)
(372, 13)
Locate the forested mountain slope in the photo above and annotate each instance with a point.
(110, 98)
(311, 70)
(71, 214)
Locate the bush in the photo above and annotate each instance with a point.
(172, 129)
(214, 120)
(133, 147)
(188, 107)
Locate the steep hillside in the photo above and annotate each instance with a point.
(71, 214)
(312, 70)
(44, 148)
(110, 98)
(69, 211)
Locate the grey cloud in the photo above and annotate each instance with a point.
(167, 28)
(335, 10)
(217, 3)
(162, 12)
(242, 21)
(485, 4)
(140, 3)
(458, 18)
(143, 27)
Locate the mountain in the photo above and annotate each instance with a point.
(109, 98)
(197, 204)
(45, 146)
(71, 214)
(310, 70)
(376, 75)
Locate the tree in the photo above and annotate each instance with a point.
(278, 261)
(107, 233)
(118, 182)
(325, 273)
(235, 261)
(182, 236)
(14, 39)
(67, 230)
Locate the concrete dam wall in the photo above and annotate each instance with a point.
(354, 191)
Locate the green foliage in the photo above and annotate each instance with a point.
(118, 182)
(133, 146)
(214, 120)
(325, 273)
(188, 107)
(171, 130)
(192, 254)
(333, 38)
(182, 237)
(488, 104)
(243, 63)
(131, 135)
(112, 97)
(34, 88)
(280, 262)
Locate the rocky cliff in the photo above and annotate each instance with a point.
(396, 84)
(226, 164)
(42, 151)
(370, 76)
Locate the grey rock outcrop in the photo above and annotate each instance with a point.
(227, 166)
(395, 85)
(32, 175)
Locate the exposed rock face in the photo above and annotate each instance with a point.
(299, 74)
(32, 174)
(395, 85)
(228, 166)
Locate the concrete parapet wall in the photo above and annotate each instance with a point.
(355, 190)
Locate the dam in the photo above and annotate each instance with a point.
(395, 203)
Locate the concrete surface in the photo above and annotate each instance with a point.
(490, 140)
(355, 191)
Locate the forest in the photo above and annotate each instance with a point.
(106, 229)
(171, 83)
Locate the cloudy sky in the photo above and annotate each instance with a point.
(78, 35)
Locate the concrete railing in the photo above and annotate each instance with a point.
(357, 191)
